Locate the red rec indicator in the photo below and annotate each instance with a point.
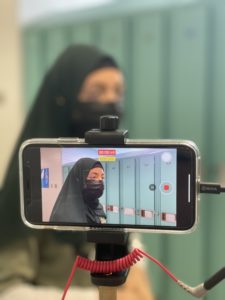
(166, 187)
(102, 152)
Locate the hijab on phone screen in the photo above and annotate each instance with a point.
(56, 112)
(78, 199)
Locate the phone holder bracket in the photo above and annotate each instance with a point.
(108, 134)
(110, 245)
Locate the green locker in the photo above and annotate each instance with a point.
(168, 193)
(147, 72)
(187, 107)
(187, 74)
(56, 40)
(127, 190)
(145, 195)
(112, 37)
(112, 193)
(215, 206)
(217, 102)
(83, 34)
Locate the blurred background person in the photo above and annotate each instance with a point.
(83, 84)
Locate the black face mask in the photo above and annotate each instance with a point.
(93, 189)
(86, 116)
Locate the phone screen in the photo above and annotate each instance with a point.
(128, 187)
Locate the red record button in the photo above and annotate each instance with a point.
(166, 187)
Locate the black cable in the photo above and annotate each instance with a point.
(222, 189)
(211, 188)
(215, 279)
(202, 289)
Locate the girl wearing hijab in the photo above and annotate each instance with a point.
(83, 84)
(78, 200)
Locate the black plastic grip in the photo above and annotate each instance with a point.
(108, 134)
(215, 279)
(209, 188)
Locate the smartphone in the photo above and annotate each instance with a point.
(143, 185)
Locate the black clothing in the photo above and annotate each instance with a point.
(71, 205)
(56, 113)
(44, 257)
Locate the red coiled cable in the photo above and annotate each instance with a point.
(109, 266)
(112, 265)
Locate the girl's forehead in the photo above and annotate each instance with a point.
(96, 170)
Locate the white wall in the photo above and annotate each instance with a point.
(10, 81)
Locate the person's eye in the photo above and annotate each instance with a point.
(94, 93)
(92, 177)
(119, 91)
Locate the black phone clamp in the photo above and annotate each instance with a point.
(108, 133)
(110, 245)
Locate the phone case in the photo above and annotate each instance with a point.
(144, 213)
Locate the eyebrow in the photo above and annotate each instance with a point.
(96, 173)
(96, 85)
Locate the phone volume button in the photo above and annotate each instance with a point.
(68, 140)
(27, 184)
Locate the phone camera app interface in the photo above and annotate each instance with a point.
(125, 186)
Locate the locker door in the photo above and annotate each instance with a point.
(102, 199)
(188, 74)
(112, 39)
(83, 34)
(147, 76)
(217, 103)
(187, 117)
(127, 190)
(112, 36)
(65, 172)
(66, 169)
(146, 193)
(112, 202)
(214, 221)
(157, 165)
(168, 190)
(57, 39)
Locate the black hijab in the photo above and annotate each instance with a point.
(71, 205)
(56, 112)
